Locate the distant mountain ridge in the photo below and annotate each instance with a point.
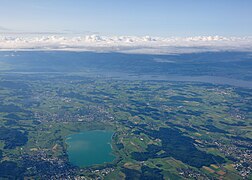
(130, 44)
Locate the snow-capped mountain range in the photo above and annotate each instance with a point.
(129, 44)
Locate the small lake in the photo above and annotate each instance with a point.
(90, 148)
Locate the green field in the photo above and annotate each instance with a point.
(163, 130)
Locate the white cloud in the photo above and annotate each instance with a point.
(130, 44)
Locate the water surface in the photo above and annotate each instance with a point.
(90, 148)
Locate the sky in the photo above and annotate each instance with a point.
(162, 18)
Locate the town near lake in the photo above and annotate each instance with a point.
(125, 90)
(80, 126)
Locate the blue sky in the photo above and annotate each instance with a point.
(128, 17)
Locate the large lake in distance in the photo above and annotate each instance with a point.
(90, 148)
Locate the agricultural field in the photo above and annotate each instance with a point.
(162, 129)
